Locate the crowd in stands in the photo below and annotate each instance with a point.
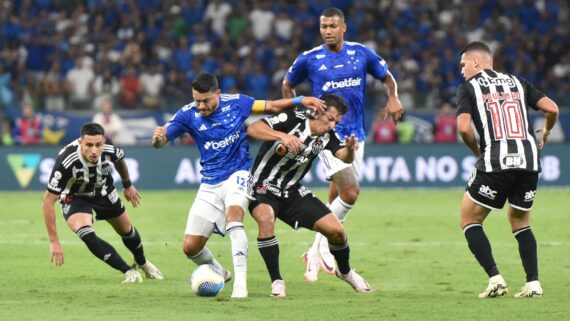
(58, 55)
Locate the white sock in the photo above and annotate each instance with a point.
(314, 249)
(340, 209)
(238, 240)
(205, 257)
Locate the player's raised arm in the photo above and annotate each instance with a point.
(159, 138)
(48, 209)
(129, 190)
(275, 106)
(260, 130)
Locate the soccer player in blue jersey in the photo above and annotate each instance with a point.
(216, 122)
(340, 67)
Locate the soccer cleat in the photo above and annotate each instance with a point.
(531, 289)
(328, 262)
(278, 289)
(313, 265)
(497, 287)
(151, 271)
(357, 282)
(132, 276)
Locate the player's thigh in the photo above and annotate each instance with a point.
(78, 212)
(302, 209)
(263, 209)
(235, 195)
(489, 190)
(110, 207)
(471, 211)
(523, 191)
(204, 219)
(121, 224)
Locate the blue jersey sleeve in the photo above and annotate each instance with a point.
(246, 104)
(298, 70)
(177, 125)
(376, 66)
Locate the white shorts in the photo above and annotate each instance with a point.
(208, 212)
(334, 165)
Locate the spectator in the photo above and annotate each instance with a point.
(28, 128)
(216, 13)
(405, 131)
(446, 124)
(130, 88)
(53, 88)
(105, 87)
(384, 130)
(152, 82)
(111, 122)
(6, 93)
(261, 19)
(79, 83)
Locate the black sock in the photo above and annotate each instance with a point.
(269, 249)
(101, 249)
(341, 253)
(134, 243)
(528, 252)
(481, 248)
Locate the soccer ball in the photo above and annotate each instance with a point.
(207, 280)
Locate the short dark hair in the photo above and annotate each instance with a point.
(477, 46)
(332, 100)
(332, 12)
(205, 82)
(92, 129)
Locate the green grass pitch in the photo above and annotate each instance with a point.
(406, 243)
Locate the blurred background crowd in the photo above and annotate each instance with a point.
(84, 57)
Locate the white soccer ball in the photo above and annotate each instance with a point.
(207, 280)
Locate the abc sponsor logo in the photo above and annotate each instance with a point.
(486, 191)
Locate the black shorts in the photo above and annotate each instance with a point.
(297, 207)
(105, 207)
(491, 190)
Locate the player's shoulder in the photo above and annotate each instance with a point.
(314, 52)
(69, 154)
(352, 47)
(229, 97)
(112, 150)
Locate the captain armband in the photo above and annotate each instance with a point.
(258, 107)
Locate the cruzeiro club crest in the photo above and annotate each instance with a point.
(24, 167)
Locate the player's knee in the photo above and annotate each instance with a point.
(349, 194)
(191, 248)
(336, 234)
(266, 223)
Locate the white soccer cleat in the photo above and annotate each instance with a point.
(132, 276)
(531, 289)
(328, 262)
(497, 287)
(313, 265)
(278, 289)
(151, 271)
(357, 282)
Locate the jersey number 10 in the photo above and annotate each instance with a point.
(507, 119)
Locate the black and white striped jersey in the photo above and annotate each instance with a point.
(72, 175)
(498, 104)
(277, 169)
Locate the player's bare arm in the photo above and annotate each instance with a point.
(467, 134)
(159, 137)
(130, 192)
(393, 107)
(261, 131)
(56, 250)
(550, 110)
(312, 103)
(346, 154)
(287, 89)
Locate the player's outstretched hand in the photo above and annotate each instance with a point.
(314, 104)
(544, 138)
(293, 143)
(56, 253)
(132, 195)
(394, 108)
(351, 142)
(159, 136)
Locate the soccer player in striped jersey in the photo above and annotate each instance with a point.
(81, 180)
(293, 141)
(340, 67)
(216, 122)
(508, 160)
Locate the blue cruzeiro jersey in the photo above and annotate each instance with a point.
(220, 136)
(344, 74)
